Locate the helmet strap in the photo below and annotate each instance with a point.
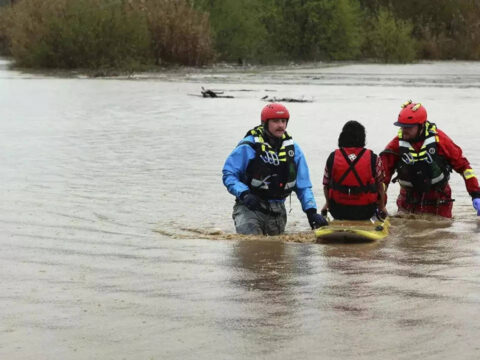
(420, 134)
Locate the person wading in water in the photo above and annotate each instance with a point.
(423, 157)
(262, 171)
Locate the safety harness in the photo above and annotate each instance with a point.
(423, 170)
(272, 173)
(352, 189)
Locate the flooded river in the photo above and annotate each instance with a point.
(117, 240)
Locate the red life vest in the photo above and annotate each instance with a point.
(352, 177)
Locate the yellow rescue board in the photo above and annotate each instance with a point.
(350, 230)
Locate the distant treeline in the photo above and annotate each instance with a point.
(141, 33)
(310, 30)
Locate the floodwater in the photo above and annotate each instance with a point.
(117, 240)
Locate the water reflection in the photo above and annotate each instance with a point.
(263, 275)
(90, 167)
(351, 267)
(263, 265)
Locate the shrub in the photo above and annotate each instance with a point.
(120, 34)
(238, 29)
(316, 29)
(5, 17)
(390, 40)
(179, 33)
(342, 38)
(77, 34)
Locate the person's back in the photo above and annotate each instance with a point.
(353, 177)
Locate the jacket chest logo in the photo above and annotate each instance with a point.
(270, 158)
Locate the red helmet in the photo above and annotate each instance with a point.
(411, 114)
(274, 111)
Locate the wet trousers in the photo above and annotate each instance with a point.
(351, 212)
(248, 222)
(438, 201)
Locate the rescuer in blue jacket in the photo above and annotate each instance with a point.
(262, 171)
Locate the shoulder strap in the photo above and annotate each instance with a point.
(245, 142)
(373, 158)
(330, 163)
(352, 166)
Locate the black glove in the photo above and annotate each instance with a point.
(250, 200)
(315, 220)
(381, 215)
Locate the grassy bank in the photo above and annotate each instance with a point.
(141, 34)
(96, 34)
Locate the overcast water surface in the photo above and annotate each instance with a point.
(117, 240)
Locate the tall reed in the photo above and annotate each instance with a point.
(179, 33)
(5, 17)
(95, 34)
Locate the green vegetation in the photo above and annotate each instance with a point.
(134, 34)
(4, 25)
(390, 40)
(99, 34)
(77, 34)
(179, 34)
(238, 29)
(443, 29)
(316, 30)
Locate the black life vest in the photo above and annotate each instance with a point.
(352, 177)
(423, 170)
(272, 174)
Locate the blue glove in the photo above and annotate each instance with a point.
(315, 220)
(250, 200)
(476, 205)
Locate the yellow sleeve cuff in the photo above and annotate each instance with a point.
(468, 174)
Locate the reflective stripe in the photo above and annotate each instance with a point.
(287, 142)
(429, 140)
(434, 181)
(404, 143)
(468, 174)
(438, 178)
(416, 107)
(290, 185)
(405, 183)
(259, 184)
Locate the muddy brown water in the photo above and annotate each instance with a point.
(117, 239)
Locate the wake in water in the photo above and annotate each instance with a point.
(218, 234)
(403, 226)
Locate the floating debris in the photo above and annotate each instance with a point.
(285, 99)
(209, 93)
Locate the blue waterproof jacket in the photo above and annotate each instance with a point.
(235, 173)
